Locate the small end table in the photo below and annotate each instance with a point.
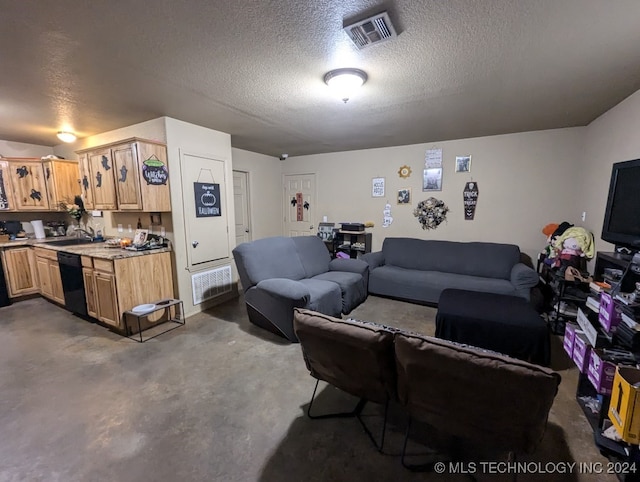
(167, 312)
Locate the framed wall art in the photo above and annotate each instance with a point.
(463, 163)
(404, 196)
(377, 187)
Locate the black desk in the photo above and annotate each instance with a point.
(506, 324)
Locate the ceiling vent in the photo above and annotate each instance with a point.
(371, 31)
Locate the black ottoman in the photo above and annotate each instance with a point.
(506, 324)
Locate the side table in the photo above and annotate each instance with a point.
(168, 312)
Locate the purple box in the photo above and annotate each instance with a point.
(569, 336)
(609, 315)
(601, 372)
(581, 352)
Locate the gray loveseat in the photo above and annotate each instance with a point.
(279, 274)
(418, 270)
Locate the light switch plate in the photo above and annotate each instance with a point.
(96, 214)
(120, 229)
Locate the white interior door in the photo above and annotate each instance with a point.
(299, 204)
(204, 196)
(241, 206)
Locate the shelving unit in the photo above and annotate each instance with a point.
(167, 315)
(352, 243)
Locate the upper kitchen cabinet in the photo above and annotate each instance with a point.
(137, 173)
(86, 188)
(29, 184)
(62, 180)
(102, 179)
(7, 200)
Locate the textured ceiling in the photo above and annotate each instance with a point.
(254, 69)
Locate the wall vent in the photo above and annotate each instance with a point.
(371, 31)
(209, 284)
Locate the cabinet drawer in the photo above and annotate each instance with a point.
(45, 253)
(103, 265)
(87, 261)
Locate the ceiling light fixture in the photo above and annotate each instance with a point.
(66, 136)
(345, 82)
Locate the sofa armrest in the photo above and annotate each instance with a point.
(523, 277)
(286, 289)
(350, 265)
(374, 259)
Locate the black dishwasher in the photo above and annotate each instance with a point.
(72, 282)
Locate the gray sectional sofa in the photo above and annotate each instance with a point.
(418, 270)
(280, 273)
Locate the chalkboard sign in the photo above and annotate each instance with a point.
(207, 199)
(470, 199)
(154, 171)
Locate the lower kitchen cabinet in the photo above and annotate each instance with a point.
(20, 271)
(50, 281)
(115, 286)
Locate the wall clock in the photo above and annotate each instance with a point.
(404, 171)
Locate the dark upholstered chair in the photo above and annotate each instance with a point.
(356, 357)
(474, 394)
(280, 273)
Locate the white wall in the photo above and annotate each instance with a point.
(612, 137)
(265, 191)
(20, 149)
(525, 181)
(192, 139)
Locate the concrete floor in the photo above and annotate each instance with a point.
(215, 400)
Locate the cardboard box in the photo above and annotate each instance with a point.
(601, 372)
(569, 336)
(609, 316)
(624, 409)
(581, 352)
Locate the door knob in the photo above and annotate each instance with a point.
(311, 227)
(195, 244)
(246, 230)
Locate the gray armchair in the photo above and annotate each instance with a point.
(279, 274)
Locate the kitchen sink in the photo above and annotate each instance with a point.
(70, 242)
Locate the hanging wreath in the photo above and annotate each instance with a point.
(431, 213)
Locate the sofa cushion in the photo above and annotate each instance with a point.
(313, 254)
(352, 356)
(489, 260)
(326, 296)
(266, 258)
(352, 286)
(474, 394)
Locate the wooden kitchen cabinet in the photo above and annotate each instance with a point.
(7, 200)
(102, 179)
(127, 180)
(48, 269)
(115, 286)
(129, 175)
(62, 179)
(29, 185)
(20, 271)
(86, 188)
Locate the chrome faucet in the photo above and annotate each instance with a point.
(84, 233)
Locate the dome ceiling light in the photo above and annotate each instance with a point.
(66, 136)
(345, 82)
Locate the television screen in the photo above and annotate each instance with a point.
(622, 215)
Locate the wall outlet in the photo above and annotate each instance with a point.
(120, 229)
(130, 230)
(163, 233)
(584, 215)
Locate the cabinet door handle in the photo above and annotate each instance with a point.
(195, 244)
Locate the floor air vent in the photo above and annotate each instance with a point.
(371, 31)
(209, 284)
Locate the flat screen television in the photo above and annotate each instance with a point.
(622, 215)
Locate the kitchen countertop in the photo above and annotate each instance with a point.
(95, 250)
